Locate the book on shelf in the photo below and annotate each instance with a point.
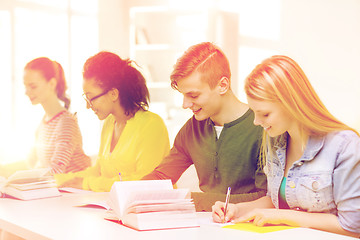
(30, 184)
(152, 205)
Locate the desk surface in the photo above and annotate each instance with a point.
(57, 218)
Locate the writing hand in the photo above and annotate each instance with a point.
(218, 213)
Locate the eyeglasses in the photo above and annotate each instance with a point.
(89, 101)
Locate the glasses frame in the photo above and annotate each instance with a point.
(89, 101)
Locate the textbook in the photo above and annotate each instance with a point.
(152, 205)
(30, 184)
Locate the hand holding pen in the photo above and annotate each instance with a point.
(224, 211)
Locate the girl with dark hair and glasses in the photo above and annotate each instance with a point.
(133, 139)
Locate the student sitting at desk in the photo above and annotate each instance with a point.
(133, 139)
(312, 160)
(58, 139)
(220, 139)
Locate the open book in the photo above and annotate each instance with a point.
(152, 204)
(30, 184)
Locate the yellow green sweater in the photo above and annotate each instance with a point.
(142, 145)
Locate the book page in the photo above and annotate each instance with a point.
(34, 185)
(155, 196)
(121, 192)
(101, 204)
(209, 221)
(28, 174)
(74, 190)
(177, 206)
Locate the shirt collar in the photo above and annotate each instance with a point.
(232, 123)
(313, 146)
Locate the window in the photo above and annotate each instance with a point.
(63, 30)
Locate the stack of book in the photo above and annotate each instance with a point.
(30, 184)
(152, 205)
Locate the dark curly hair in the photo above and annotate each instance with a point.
(109, 71)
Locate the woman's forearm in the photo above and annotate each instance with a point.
(321, 221)
(245, 207)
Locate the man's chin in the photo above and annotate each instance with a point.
(200, 117)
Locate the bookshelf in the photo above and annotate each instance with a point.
(158, 37)
(159, 34)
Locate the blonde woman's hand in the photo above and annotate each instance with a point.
(261, 217)
(218, 214)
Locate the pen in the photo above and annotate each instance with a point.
(120, 177)
(227, 201)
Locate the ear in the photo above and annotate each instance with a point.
(114, 94)
(53, 83)
(224, 85)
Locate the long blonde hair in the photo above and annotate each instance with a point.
(280, 78)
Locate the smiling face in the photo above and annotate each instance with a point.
(271, 116)
(37, 88)
(103, 105)
(199, 97)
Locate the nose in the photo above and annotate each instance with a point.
(187, 103)
(27, 91)
(256, 121)
(87, 105)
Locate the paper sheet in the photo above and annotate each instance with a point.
(250, 227)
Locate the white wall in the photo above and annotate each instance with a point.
(323, 36)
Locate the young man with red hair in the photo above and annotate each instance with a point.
(220, 139)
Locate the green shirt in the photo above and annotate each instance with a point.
(230, 161)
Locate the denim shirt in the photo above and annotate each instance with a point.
(325, 179)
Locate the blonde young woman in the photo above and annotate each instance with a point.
(312, 160)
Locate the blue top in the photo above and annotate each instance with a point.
(282, 197)
(325, 179)
(282, 190)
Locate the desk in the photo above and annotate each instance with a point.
(57, 218)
